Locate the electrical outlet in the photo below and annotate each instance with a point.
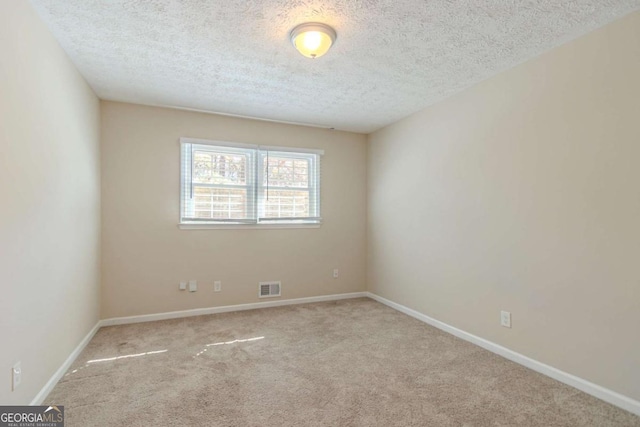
(335, 273)
(217, 286)
(16, 375)
(193, 285)
(183, 285)
(505, 319)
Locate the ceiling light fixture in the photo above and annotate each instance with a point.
(313, 39)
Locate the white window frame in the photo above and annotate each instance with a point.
(255, 186)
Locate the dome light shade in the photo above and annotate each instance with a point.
(313, 39)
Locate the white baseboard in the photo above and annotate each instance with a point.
(227, 308)
(66, 365)
(595, 390)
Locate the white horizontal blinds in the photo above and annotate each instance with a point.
(288, 186)
(233, 183)
(218, 184)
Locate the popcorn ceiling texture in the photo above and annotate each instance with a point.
(392, 57)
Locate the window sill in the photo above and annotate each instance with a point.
(244, 226)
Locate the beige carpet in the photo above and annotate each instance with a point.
(346, 363)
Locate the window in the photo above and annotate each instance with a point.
(227, 183)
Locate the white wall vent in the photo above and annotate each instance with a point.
(269, 289)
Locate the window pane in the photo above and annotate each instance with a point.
(220, 203)
(241, 184)
(219, 168)
(286, 172)
(286, 203)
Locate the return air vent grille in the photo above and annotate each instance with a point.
(269, 289)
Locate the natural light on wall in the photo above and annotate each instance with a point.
(313, 39)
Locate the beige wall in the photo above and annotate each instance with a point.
(50, 211)
(145, 255)
(522, 194)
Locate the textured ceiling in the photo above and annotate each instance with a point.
(391, 58)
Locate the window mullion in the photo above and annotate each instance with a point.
(255, 178)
